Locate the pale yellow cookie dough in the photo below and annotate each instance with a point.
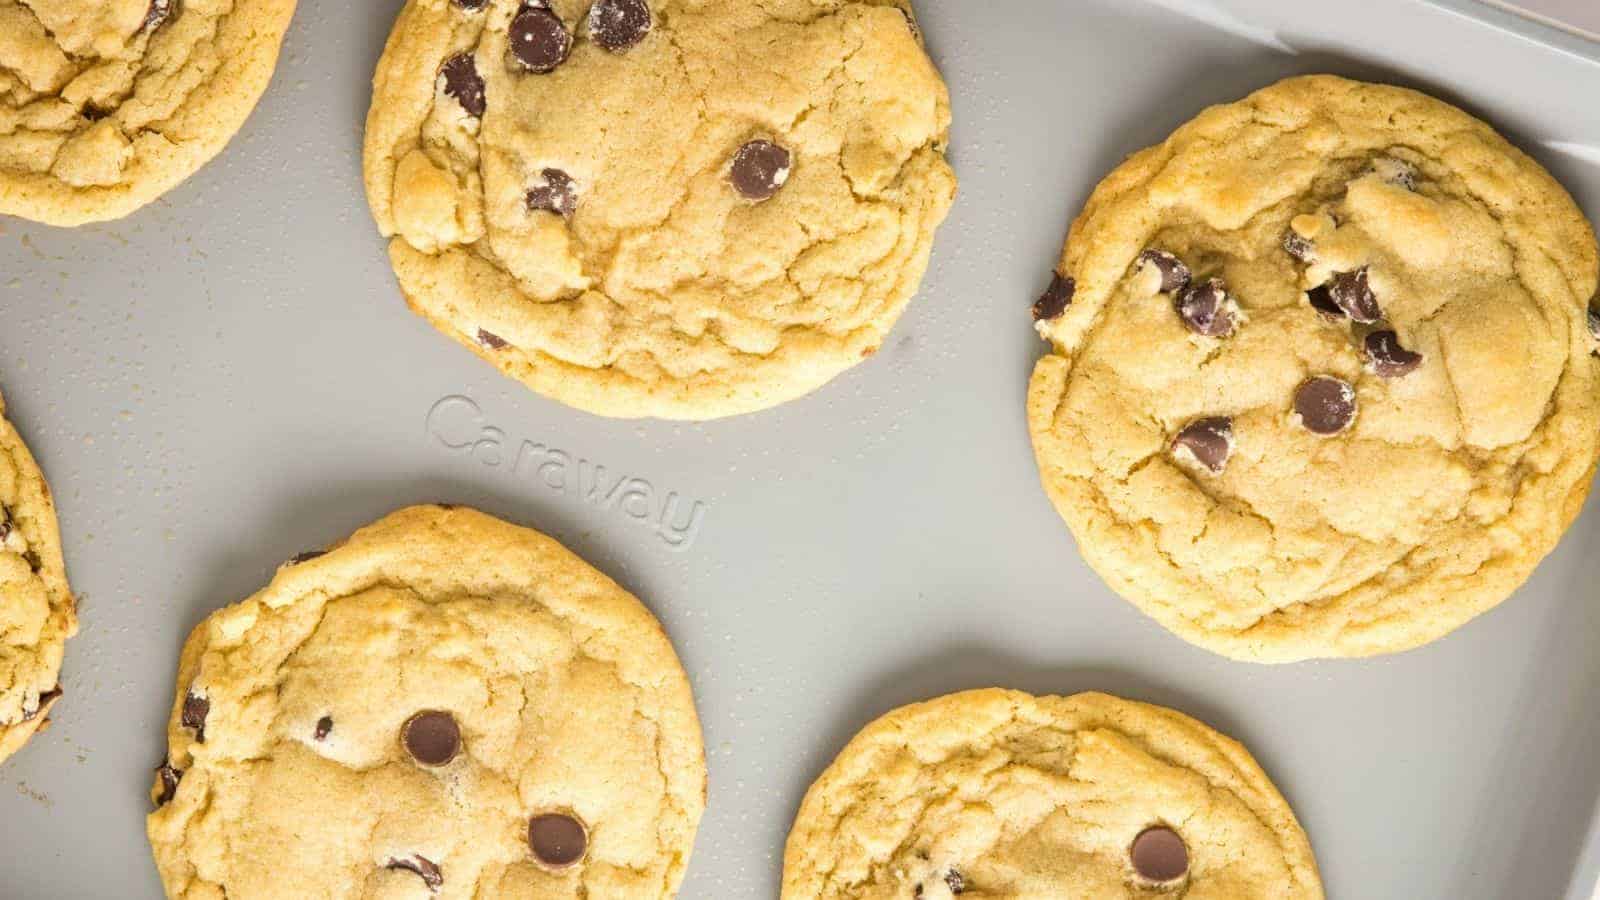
(288, 775)
(665, 291)
(1430, 499)
(1005, 796)
(107, 104)
(37, 610)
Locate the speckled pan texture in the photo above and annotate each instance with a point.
(230, 376)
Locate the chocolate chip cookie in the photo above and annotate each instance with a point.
(37, 611)
(1003, 794)
(107, 104)
(1323, 380)
(658, 208)
(444, 705)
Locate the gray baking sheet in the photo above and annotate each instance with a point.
(229, 377)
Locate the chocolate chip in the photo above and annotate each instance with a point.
(195, 710)
(1207, 309)
(1175, 276)
(424, 867)
(1056, 298)
(1325, 405)
(159, 12)
(1322, 301)
(33, 561)
(1208, 440)
(306, 557)
(1388, 358)
(169, 783)
(539, 41)
(462, 81)
(471, 5)
(1298, 247)
(324, 728)
(432, 738)
(760, 168)
(557, 840)
(956, 881)
(491, 340)
(558, 194)
(1352, 292)
(618, 25)
(1159, 855)
(94, 113)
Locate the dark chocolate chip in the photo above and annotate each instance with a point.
(760, 168)
(462, 81)
(1325, 404)
(324, 728)
(1322, 301)
(169, 783)
(1207, 309)
(557, 840)
(1299, 247)
(1208, 440)
(158, 14)
(432, 738)
(44, 700)
(1055, 299)
(1175, 276)
(1159, 855)
(1388, 358)
(1352, 291)
(539, 41)
(195, 710)
(306, 557)
(618, 25)
(424, 867)
(956, 881)
(471, 5)
(491, 340)
(558, 194)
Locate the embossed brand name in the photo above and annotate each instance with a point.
(458, 424)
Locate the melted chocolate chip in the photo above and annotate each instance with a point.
(1207, 309)
(158, 14)
(306, 557)
(1325, 405)
(618, 25)
(1175, 276)
(491, 340)
(1352, 292)
(1159, 855)
(1298, 247)
(324, 728)
(462, 81)
(1056, 298)
(1388, 358)
(195, 710)
(558, 194)
(424, 867)
(538, 39)
(956, 881)
(169, 783)
(1208, 440)
(432, 738)
(1322, 301)
(760, 168)
(557, 840)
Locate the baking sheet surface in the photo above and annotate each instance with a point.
(229, 377)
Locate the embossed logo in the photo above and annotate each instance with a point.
(458, 424)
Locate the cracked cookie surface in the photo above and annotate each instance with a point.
(37, 610)
(697, 208)
(1322, 381)
(445, 706)
(1000, 794)
(107, 104)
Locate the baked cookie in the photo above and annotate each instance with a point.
(1324, 381)
(674, 208)
(37, 612)
(1002, 794)
(443, 706)
(107, 104)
